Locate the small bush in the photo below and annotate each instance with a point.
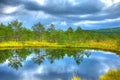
(111, 75)
(76, 78)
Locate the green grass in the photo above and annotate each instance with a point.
(108, 45)
(111, 75)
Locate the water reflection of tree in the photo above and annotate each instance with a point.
(19, 55)
(80, 55)
(15, 61)
(4, 55)
(39, 56)
(56, 54)
(15, 57)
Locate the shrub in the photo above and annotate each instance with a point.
(111, 75)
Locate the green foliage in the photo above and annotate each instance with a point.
(78, 30)
(14, 31)
(69, 30)
(15, 62)
(38, 31)
(15, 57)
(109, 30)
(51, 28)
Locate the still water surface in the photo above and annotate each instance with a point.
(54, 64)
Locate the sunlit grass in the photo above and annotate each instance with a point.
(76, 78)
(105, 45)
(111, 75)
(73, 78)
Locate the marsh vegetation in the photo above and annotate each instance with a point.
(16, 35)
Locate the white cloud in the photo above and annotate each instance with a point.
(41, 15)
(41, 2)
(116, 1)
(29, 74)
(110, 2)
(73, 2)
(54, 22)
(64, 23)
(84, 16)
(107, 2)
(10, 9)
(41, 69)
(96, 22)
(80, 16)
(6, 19)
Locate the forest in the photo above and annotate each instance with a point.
(15, 34)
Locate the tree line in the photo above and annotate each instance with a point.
(14, 31)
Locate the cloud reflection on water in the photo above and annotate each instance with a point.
(90, 68)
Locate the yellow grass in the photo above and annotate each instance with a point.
(105, 45)
(73, 78)
(76, 78)
(111, 75)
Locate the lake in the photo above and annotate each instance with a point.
(55, 64)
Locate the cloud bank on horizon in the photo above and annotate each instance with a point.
(89, 14)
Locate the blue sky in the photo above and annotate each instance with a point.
(89, 14)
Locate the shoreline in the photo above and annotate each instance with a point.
(20, 45)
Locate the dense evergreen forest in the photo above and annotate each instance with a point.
(14, 31)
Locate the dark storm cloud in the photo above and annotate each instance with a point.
(6, 3)
(64, 7)
(114, 10)
(57, 7)
(10, 2)
(108, 13)
(61, 10)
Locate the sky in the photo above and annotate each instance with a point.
(89, 14)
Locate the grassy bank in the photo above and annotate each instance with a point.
(111, 75)
(103, 45)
